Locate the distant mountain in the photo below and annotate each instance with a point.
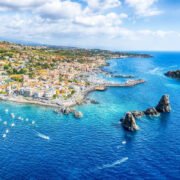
(30, 43)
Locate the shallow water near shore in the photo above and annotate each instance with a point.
(97, 147)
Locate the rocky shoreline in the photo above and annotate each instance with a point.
(129, 120)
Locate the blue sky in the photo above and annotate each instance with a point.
(107, 24)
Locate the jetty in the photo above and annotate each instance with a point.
(104, 86)
(128, 83)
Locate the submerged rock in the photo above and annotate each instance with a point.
(164, 104)
(129, 122)
(78, 114)
(151, 112)
(94, 101)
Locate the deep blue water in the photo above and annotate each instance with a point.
(97, 147)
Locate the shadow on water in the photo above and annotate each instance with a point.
(129, 136)
(117, 125)
(163, 120)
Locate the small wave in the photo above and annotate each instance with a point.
(118, 162)
(124, 142)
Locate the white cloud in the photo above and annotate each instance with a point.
(96, 23)
(13, 4)
(103, 4)
(60, 9)
(144, 7)
(110, 19)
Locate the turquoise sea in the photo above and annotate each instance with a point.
(97, 147)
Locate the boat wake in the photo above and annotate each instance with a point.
(116, 163)
(43, 136)
(156, 71)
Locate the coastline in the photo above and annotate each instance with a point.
(81, 98)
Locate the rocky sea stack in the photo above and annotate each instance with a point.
(173, 74)
(164, 104)
(129, 121)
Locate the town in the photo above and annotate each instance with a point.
(49, 76)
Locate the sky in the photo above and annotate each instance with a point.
(106, 24)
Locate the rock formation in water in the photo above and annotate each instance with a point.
(164, 104)
(173, 74)
(151, 112)
(78, 114)
(129, 122)
(64, 110)
(91, 101)
(137, 114)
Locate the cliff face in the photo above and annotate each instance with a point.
(129, 121)
(173, 74)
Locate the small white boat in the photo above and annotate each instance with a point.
(12, 115)
(6, 110)
(4, 135)
(27, 119)
(7, 131)
(124, 142)
(12, 125)
(33, 122)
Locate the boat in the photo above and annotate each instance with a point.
(33, 122)
(12, 115)
(12, 125)
(7, 131)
